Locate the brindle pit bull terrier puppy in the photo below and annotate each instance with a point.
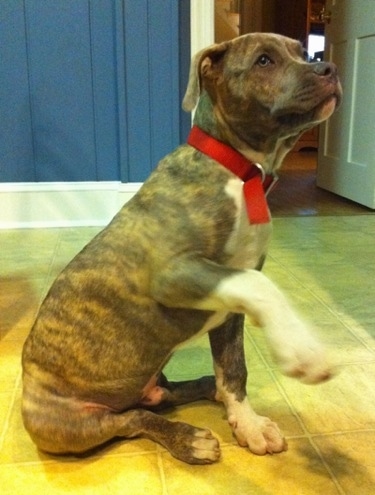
(180, 259)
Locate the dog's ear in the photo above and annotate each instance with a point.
(204, 63)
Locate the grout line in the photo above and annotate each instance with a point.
(302, 425)
(289, 402)
(307, 435)
(161, 471)
(77, 460)
(327, 467)
(257, 350)
(331, 310)
(10, 409)
(47, 279)
(342, 432)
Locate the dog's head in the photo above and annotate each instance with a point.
(261, 89)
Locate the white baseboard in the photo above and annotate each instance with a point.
(62, 204)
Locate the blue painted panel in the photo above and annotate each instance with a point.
(16, 150)
(137, 90)
(163, 73)
(91, 89)
(153, 60)
(184, 64)
(122, 121)
(103, 19)
(61, 89)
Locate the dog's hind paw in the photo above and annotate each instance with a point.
(192, 445)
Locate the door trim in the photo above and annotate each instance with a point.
(202, 25)
(62, 204)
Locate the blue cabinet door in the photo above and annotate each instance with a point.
(90, 90)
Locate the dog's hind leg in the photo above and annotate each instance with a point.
(169, 394)
(258, 433)
(76, 430)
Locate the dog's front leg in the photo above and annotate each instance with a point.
(258, 433)
(202, 284)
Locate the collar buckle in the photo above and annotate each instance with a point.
(261, 169)
(273, 179)
(268, 180)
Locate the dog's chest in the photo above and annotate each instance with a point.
(247, 243)
(244, 249)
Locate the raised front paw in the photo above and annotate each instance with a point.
(304, 359)
(261, 435)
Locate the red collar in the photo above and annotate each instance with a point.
(256, 183)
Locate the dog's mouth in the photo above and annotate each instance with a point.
(311, 112)
(327, 107)
(310, 100)
(329, 104)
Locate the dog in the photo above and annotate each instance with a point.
(180, 259)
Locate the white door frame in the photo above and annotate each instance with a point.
(202, 27)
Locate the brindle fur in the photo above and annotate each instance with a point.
(92, 364)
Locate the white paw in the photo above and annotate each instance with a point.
(304, 358)
(205, 447)
(261, 435)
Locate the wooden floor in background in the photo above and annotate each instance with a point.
(297, 194)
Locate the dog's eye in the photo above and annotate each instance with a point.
(264, 60)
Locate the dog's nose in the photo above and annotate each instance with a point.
(325, 69)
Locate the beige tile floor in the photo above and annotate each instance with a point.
(326, 264)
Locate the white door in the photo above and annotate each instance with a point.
(346, 162)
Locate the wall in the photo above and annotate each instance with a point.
(85, 86)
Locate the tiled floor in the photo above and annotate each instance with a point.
(326, 264)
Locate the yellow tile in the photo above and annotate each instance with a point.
(71, 242)
(254, 361)
(279, 274)
(25, 263)
(346, 344)
(133, 475)
(351, 458)
(309, 254)
(296, 472)
(17, 238)
(362, 328)
(344, 403)
(5, 405)
(20, 330)
(19, 301)
(10, 363)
